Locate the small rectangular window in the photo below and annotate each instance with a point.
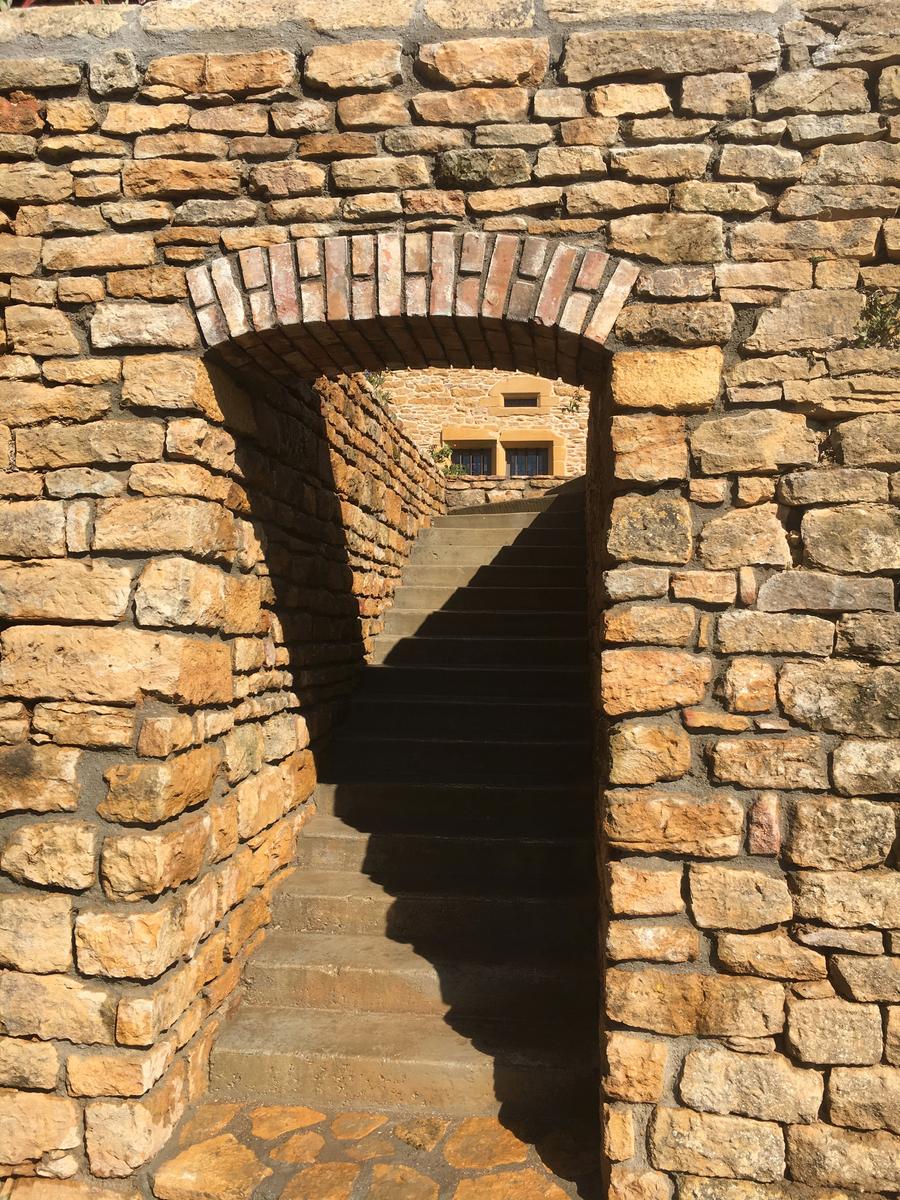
(520, 401)
(475, 461)
(528, 460)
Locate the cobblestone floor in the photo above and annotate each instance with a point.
(235, 1152)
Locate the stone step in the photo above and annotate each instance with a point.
(437, 574)
(547, 518)
(396, 649)
(422, 1063)
(450, 536)
(374, 974)
(505, 720)
(450, 598)
(440, 807)
(346, 902)
(486, 623)
(405, 860)
(383, 682)
(353, 756)
(557, 554)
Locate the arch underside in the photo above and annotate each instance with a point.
(370, 302)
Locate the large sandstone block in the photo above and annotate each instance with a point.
(178, 592)
(27, 403)
(159, 525)
(117, 323)
(774, 633)
(808, 321)
(32, 529)
(36, 933)
(146, 793)
(842, 697)
(834, 1031)
(52, 853)
(645, 821)
(249, 71)
(771, 762)
(32, 1125)
(486, 62)
(34, 183)
(759, 440)
(812, 91)
(868, 979)
(95, 442)
(647, 752)
(641, 888)
(121, 1135)
(96, 726)
(727, 898)
(768, 241)
(26, 1064)
(830, 832)
(701, 1144)
(655, 528)
(647, 680)
(857, 163)
(696, 324)
(38, 778)
(371, 66)
(173, 178)
(472, 106)
(848, 899)
(765, 1086)
(42, 331)
(867, 767)
(857, 538)
(135, 866)
(56, 1006)
(66, 589)
(826, 1156)
(771, 955)
(662, 52)
(818, 591)
(674, 380)
(669, 237)
(69, 662)
(865, 1098)
(635, 1068)
(874, 636)
(745, 537)
(872, 440)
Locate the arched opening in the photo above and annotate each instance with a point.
(508, 840)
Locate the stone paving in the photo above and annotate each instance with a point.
(234, 1152)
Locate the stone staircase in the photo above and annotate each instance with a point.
(436, 948)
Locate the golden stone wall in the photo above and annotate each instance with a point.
(196, 541)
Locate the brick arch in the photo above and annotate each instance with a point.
(400, 300)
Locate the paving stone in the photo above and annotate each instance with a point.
(482, 1142)
(218, 1169)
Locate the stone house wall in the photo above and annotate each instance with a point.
(169, 570)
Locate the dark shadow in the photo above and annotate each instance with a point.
(466, 760)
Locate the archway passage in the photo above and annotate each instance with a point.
(398, 300)
(436, 950)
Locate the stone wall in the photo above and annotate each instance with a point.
(745, 532)
(192, 578)
(432, 401)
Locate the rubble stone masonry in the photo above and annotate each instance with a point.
(205, 508)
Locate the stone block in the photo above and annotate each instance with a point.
(865, 1097)
(655, 528)
(771, 762)
(371, 67)
(817, 591)
(38, 778)
(648, 680)
(641, 889)
(594, 56)
(487, 62)
(767, 1087)
(771, 955)
(42, 331)
(36, 933)
(151, 792)
(96, 442)
(645, 821)
(98, 726)
(872, 440)
(830, 832)
(857, 538)
(118, 665)
(749, 685)
(121, 1135)
(29, 1065)
(844, 697)
(701, 1144)
(830, 1157)
(674, 380)
(760, 440)
(874, 636)
(472, 106)
(649, 447)
(745, 537)
(668, 237)
(729, 898)
(651, 942)
(868, 979)
(32, 1125)
(849, 899)
(52, 1007)
(647, 752)
(59, 854)
(694, 324)
(774, 633)
(136, 866)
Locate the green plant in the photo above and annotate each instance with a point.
(376, 381)
(443, 456)
(879, 324)
(571, 406)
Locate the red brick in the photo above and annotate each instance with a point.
(284, 283)
(389, 275)
(591, 271)
(610, 304)
(312, 294)
(556, 282)
(363, 255)
(363, 295)
(443, 272)
(416, 252)
(308, 264)
(200, 286)
(230, 297)
(253, 267)
(499, 274)
(337, 278)
(533, 254)
(474, 252)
